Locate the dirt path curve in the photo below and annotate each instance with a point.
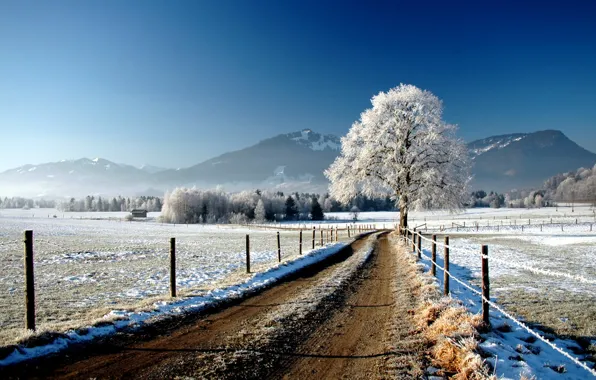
(336, 320)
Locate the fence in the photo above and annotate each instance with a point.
(415, 238)
(330, 236)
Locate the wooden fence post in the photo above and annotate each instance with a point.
(172, 267)
(433, 268)
(300, 244)
(485, 286)
(29, 282)
(446, 266)
(247, 253)
(419, 241)
(321, 231)
(313, 238)
(414, 241)
(278, 248)
(348, 232)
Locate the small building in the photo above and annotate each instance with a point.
(138, 213)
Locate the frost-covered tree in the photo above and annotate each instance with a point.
(401, 146)
(260, 212)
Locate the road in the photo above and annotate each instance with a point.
(348, 318)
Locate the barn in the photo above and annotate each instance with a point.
(138, 213)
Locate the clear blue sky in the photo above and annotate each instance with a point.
(173, 83)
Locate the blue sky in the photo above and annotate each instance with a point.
(173, 83)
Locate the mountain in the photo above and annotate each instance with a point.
(524, 160)
(72, 178)
(292, 162)
(151, 169)
(299, 157)
(288, 162)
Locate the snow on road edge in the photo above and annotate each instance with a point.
(192, 304)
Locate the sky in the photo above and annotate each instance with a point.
(173, 83)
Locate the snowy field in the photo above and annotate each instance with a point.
(542, 275)
(87, 267)
(542, 271)
(543, 266)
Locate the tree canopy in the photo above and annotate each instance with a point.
(402, 147)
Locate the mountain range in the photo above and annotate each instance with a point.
(291, 162)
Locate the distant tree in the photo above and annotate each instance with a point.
(354, 212)
(291, 209)
(402, 147)
(260, 213)
(88, 203)
(316, 212)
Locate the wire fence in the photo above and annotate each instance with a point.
(79, 277)
(415, 239)
(470, 252)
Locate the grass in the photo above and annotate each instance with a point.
(450, 330)
(556, 306)
(92, 251)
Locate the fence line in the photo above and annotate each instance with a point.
(506, 314)
(45, 245)
(528, 268)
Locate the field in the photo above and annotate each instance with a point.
(86, 267)
(89, 264)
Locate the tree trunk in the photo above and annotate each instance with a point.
(403, 212)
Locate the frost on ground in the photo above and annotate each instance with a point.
(510, 349)
(126, 319)
(85, 268)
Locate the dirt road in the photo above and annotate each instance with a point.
(343, 319)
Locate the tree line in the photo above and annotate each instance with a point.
(573, 186)
(92, 203)
(26, 203)
(184, 205)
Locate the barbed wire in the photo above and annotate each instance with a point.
(506, 314)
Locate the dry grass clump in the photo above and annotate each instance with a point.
(449, 329)
(453, 333)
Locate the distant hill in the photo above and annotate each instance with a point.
(292, 162)
(73, 178)
(524, 160)
(299, 157)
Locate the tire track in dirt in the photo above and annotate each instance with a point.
(359, 340)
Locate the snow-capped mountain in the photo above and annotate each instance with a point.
(72, 178)
(479, 147)
(292, 162)
(524, 160)
(315, 141)
(298, 157)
